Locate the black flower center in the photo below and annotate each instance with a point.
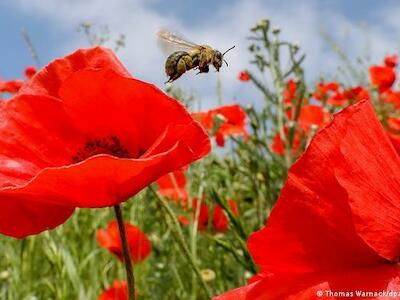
(106, 145)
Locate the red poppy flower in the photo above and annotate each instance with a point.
(173, 186)
(139, 244)
(395, 139)
(205, 119)
(336, 225)
(393, 131)
(393, 97)
(219, 219)
(312, 115)
(224, 121)
(278, 146)
(244, 76)
(234, 122)
(183, 220)
(382, 77)
(118, 291)
(325, 90)
(356, 94)
(11, 86)
(394, 124)
(82, 133)
(289, 94)
(330, 93)
(391, 61)
(203, 214)
(337, 99)
(30, 71)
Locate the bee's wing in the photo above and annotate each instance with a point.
(170, 42)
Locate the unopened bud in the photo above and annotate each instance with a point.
(276, 30)
(248, 274)
(207, 275)
(263, 23)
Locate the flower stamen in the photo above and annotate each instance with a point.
(106, 145)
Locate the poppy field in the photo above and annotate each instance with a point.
(115, 189)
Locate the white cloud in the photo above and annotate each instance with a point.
(300, 21)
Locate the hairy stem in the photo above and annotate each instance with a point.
(127, 257)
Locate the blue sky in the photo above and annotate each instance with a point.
(52, 25)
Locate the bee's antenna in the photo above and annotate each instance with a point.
(225, 62)
(228, 50)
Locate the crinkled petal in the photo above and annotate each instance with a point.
(369, 171)
(35, 134)
(313, 226)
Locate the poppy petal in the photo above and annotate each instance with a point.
(35, 134)
(19, 217)
(173, 186)
(369, 170)
(102, 180)
(311, 115)
(118, 291)
(236, 294)
(311, 227)
(48, 80)
(138, 243)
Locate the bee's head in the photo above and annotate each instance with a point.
(219, 58)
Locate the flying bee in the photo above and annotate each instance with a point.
(188, 55)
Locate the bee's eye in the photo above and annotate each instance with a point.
(218, 55)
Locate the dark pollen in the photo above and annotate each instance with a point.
(107, 145)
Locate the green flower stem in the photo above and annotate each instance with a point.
(127, 257)
(176, 230)
(279, 87)
(193, 237)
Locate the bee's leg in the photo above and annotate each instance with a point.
(173, 77)
(203, 69)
